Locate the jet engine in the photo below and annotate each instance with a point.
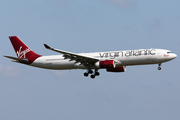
(111, 65)
(105, 64)
(117, 69)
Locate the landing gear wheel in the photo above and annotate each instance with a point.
(86, 74)
(92, 76)
(97, 73)
(159, 68)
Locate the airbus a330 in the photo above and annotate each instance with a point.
(112, 61)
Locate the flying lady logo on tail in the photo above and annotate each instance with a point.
(22, 54)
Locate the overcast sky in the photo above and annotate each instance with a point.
(140, 93)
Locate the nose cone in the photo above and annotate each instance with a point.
(173, 56)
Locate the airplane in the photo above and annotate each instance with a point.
(112, 61)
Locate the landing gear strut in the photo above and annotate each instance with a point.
(96, 72)
(159, 68)
(93, 75)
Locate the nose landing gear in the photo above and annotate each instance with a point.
(159, 67)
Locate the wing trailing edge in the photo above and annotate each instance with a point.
(73, 56)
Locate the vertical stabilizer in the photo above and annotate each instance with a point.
(22, 50)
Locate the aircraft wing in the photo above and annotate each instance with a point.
(85, 60)
(14, 59)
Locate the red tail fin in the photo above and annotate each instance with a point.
(22, 50)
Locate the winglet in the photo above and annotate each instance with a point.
(46, 46)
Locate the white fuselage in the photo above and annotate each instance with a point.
(112, 61)
(125, 58)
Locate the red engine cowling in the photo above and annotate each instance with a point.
(110, 66)
(106, 64)
(117, 69)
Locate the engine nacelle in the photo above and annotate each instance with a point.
(117, 69)
(108, 64)
(105, 64)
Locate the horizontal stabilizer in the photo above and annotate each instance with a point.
(17, 59)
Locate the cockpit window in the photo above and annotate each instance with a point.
(169, 52)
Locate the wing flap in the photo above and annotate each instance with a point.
(73, 56)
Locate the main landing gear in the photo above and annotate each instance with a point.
(93, 74)
(159, 67)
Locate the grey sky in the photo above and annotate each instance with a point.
(141, 93)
